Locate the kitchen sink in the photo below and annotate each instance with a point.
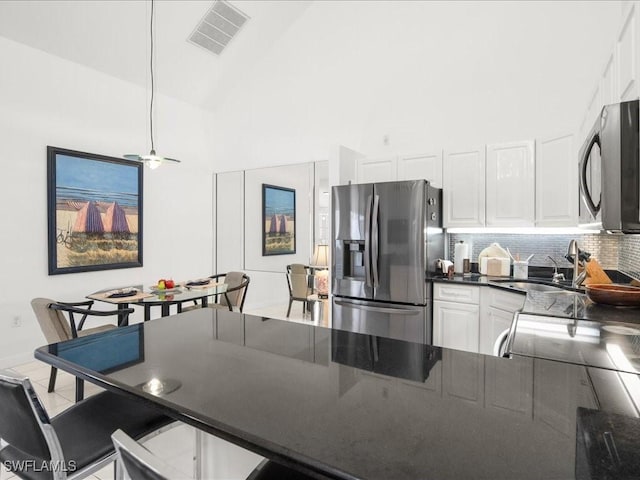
(535, 285)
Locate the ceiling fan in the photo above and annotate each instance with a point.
(153, 160)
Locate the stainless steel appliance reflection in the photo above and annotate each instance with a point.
(386, 236)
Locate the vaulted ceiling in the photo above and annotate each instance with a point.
(113, 37)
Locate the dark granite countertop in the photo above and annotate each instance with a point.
(561, 303)
(351, 406)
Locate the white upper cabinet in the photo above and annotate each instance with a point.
(371, 170)
(593, 111)
(556, 182)
(415, 167)
(626, 53)
(510, 185)
(608, 85)
(464, 187)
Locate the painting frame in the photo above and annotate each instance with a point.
(278, 220)
(112, 235)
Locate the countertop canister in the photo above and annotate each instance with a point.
(461, 253)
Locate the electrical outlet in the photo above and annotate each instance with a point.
(16, 321)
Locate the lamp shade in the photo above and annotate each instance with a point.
(320, 256)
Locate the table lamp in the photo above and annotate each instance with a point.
(321, 259)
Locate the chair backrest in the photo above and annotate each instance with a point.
(52, 322)
(24, 423)
(297, 268)
(299, 281)
(237, 286)
(138, 462)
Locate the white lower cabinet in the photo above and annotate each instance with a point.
(497, 308)
(492, 324)
(455, 325)
(456, 313)
(471, 318)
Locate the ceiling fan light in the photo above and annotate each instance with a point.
(152, 159)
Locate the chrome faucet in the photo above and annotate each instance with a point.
(556, 276)
(574, 252)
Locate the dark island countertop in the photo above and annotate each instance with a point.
(351, 406)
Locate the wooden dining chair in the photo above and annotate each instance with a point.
(236, 293)
(300, 285)
(233, 297)
(74, 444)
(56, 328)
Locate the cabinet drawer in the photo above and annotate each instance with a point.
(509, 301)
(456, 293)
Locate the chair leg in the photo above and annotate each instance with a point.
(289, 309)
(52, 379)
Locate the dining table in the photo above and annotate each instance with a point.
(185, 292)
(338, 404)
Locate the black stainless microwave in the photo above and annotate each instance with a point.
(609, 171)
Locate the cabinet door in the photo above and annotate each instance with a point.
(510, 185)
(456, 326)
(492, 324)
(464, 188)
(456, 293)
(416, 167)
(371, 170)
(608, 84)
(627, 55)
(556, 182)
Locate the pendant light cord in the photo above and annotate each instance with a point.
(152, 86)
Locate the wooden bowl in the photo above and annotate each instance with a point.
(614, 294)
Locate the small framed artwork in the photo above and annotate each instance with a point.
(278, 220)
(94, 212)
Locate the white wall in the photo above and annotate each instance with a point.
(48, 101)
(240, 229)
(427, 74)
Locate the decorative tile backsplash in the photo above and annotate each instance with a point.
(614, 252)
(629, 262)
(605, 248)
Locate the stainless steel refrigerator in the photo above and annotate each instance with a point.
(386, 237)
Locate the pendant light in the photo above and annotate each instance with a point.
(152, 159)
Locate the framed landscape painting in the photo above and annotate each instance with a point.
(278, 220)
(94, 212)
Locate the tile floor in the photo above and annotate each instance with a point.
(221, 460)
(280, 312)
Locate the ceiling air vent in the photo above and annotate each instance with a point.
(219, 25)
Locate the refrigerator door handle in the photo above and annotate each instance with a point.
(367, 242)
(369, 308)
(374, 240)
